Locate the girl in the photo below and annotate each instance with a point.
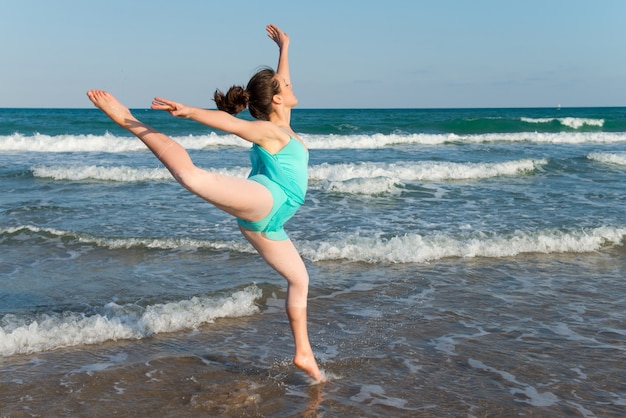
(272, 193)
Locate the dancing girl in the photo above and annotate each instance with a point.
(275, 188)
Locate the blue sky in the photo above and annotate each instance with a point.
(344, 53)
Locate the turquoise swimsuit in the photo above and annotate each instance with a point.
(286, 176)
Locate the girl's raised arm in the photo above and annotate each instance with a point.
(282, 40)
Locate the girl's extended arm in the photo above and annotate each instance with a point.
(213, 118)
(258, 132)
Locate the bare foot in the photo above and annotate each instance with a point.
(111, 107)
(308, 365)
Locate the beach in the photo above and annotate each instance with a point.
(463, 262)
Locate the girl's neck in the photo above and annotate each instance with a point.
(281, 118)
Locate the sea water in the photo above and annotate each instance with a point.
(463, 262)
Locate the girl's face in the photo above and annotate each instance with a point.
(286, 91)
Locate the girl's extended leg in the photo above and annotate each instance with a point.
(239, 197)
(285, 259)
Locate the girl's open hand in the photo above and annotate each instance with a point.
(174, 108)
(277, 35)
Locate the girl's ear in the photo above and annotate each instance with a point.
(277, 98)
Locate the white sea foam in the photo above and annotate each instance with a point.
(92, 172)
(416, 248)
(608, 158)
(365, 178)
(52, 331)
(120, 144)
(574, 123)
(550, 138)
(375, 248)
(383, 141)
(372, 178)
(365, 186)
(124, 243)
(121, 174)
(104, 143)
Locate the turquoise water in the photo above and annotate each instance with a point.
(463, 262)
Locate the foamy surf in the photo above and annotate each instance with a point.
(118, 322)
(376, 141)
(379, 247)
(352, 178)
(117, 174)
(375, 178)
(608, 158)
(110, 143)
(417, 248)
(570, 122)
(126, 243)
(107, 142)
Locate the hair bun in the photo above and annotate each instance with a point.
(234, 101)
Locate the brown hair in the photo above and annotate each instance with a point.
(257, 96)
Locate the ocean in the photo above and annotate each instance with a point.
(463, 262)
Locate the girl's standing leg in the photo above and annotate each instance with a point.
(283, 257)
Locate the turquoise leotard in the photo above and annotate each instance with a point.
(286, 176)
